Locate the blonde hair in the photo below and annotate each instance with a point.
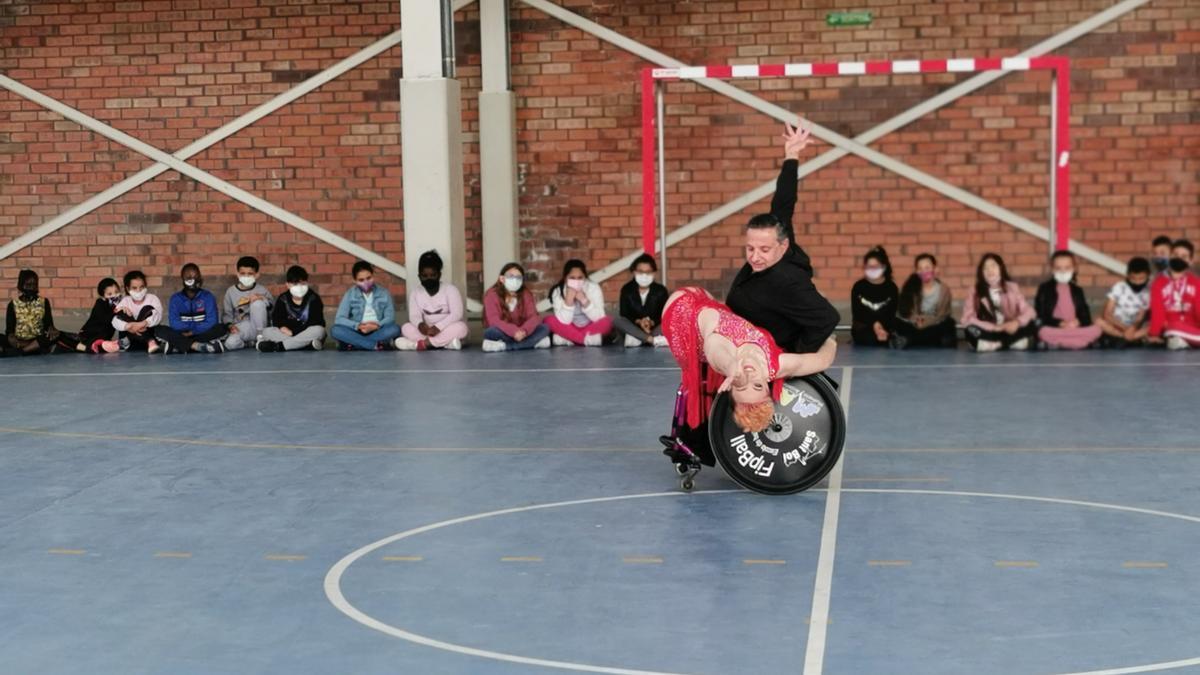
(753, 417)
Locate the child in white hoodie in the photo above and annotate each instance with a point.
(578, 304)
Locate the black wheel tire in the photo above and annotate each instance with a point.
(787, 457)
(687, 485)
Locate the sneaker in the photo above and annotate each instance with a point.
(110, 346)
(560, 341)
(345, 347)
(494, 346)
(205, 348)
(1020, 345)
(987, 346)
(1175, 343)
(124, 343)
(404, 344)
(544, 343)
(593, 340)
(454, 345)
(631, 341)
(661, 341)
(318, 345)
(155, 347)
(266, 345)
(218, 346)
(897, 341)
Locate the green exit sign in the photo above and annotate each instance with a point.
(848, 18)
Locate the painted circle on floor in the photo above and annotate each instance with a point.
(333, 578)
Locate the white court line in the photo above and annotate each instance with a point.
(631, 369)
(818, 623)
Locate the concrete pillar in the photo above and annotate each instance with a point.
(431, 135)
(497, 142)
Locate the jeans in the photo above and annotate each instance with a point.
(540, 333)
(367, 342)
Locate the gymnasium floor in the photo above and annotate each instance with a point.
(479, 513)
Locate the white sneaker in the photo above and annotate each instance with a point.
(454, 345)
(593, 340)
(661, 341)
(544, 343)
(987, 346)
(318, 345)
(494, 346)
(560, 341)
(1020, 345)
(1175, 343)
(631, 341)
(404, 344)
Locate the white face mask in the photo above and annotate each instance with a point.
(248, 282)
(513, 284)
(1064, 277)
(138, 296)
(644, 280)
(299, 291)
(577, 284)
(874, 273)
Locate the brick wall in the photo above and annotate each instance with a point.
(169, 72)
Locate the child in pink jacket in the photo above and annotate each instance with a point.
(995, 313)
(435, 311)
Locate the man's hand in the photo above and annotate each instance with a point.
(795, 139)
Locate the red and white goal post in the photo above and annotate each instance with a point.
(653, 85)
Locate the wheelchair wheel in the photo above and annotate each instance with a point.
(800, 447)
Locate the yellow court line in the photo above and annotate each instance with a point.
(172, 554)
(521, 558)
(1016, 563)
(1144, 565)
(889, 563)
(274, 556)
(642, 560)
(67, 551)
(403, 558)
(763, 561)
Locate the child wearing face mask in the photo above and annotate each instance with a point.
(29, 321)
(247, 306)
(578, 304)
(1124, 321)
(96, 335)
(435, 310)
(510, 317)
(1175, 301)
(873, 301)
(923, 309)
(192, 321)
(366, 316)
(1161, 255)
(1063, 314)
(137, 315)
(641, 305)
(995, 314)
(298, 317)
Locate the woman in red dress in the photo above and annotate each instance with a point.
(742, 359)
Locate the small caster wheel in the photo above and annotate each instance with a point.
(681, 469)
(687, 484)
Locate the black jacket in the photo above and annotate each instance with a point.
(99, 323)
(782, 299)
(1047, 299)
(874, 302)
(286, 314)
(631, 302)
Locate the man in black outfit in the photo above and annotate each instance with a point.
(774, 289)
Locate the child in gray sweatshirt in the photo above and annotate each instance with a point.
(247, 306)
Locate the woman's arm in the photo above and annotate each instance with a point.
(799, 365)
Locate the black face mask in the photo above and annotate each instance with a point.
(1160, 264)
(1136, 288)
(28, 294)
(431, 285)
(1179, 265)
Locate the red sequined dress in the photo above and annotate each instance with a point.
(687, 346)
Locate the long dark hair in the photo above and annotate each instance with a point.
(986, 311)
(573, 263)
(878, 253)
(910, 294)
(503, 293)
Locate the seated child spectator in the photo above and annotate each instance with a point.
(641, 305)
(1062, 309)
(298, 317)
(995, 315)
(578, 304)
(247, 306)
(29, 321)
(366, 316)
(1161, 255)
(96, 336)
(137, 315)
(873, 301)
(192, 320)
(923, 309)
(435, 310)
(1124, 321)
(510, 314)
(1175, 301)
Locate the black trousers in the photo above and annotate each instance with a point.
(942, 334)
(183, 343)
(139, 342)
(974, 334)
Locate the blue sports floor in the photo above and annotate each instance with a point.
(510, 513)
